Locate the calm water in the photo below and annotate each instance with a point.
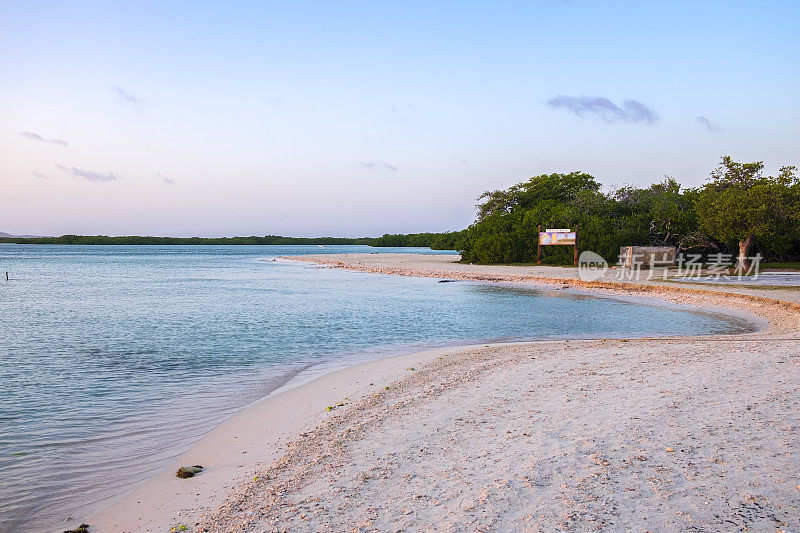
(113, 360)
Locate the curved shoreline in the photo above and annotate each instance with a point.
(334, 261)
(275, 427)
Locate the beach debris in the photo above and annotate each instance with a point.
(83, 528)
(185, 472)
(179, 527)
(670, 450)
(337, 405)
(447, 281)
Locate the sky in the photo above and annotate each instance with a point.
(363, 118)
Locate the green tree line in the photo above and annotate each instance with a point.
(437, 241)
(139, 240)
(739, 211)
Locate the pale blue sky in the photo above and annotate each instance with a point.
(346, 118)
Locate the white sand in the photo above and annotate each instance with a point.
(649, 434)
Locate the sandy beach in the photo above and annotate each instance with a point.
(654, 434)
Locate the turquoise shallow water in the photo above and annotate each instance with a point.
(113, 360)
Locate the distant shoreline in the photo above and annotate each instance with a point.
(435, 241)
(136, 240)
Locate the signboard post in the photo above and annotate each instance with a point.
(557, 237)
(539, 247)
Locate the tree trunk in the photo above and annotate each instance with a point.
(743, 261)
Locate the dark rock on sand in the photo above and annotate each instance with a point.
(188, 471)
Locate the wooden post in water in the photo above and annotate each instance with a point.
(539, 246)
(6, 275)
(576, 246)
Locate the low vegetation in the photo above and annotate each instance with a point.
(435, 241)
(140, 240)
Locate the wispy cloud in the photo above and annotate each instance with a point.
(604, 109)
(36, 174)
(273, 100)
(707, 124)
(36, 137)
(409, 106)
(88, 175)
(130, 99)
(168, 180)
(372, 165)
(14, 198)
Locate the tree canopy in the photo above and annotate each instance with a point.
(740, 206)
(737, 201)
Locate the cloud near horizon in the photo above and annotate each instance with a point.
(372, 165)
(600, 107)
(707, 124)
(129, 98)
(88, 175)
(36, 137)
